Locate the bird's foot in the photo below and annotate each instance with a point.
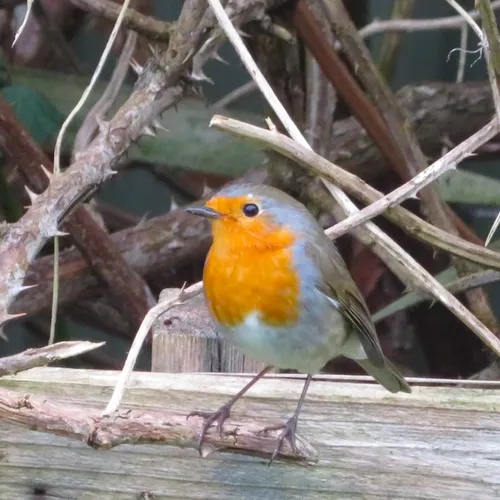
(289, 433)
(219, 417)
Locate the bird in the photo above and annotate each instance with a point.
(278, 289)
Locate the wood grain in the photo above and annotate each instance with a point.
(437, 443)
(185, 341)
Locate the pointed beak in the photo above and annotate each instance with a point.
(208, 213)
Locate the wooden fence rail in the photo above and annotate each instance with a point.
(437, 443)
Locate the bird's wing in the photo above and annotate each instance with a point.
(349, 298)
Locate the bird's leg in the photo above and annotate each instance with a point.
(290, 427)
(223, 413)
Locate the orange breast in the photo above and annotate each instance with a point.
(239, 283)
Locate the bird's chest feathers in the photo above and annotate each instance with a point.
(261, 285)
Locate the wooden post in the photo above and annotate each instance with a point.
(185, 341)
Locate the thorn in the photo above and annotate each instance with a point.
(188, 56)
(199, 92)
(47, 172)
(103, 125)
(200, 76)
(142, 222)
(110, 172)
(217, 57)
(33, 196)
(2, 335)
(10, 317)
(148, 131)
(59, 234)
(136, 67)
(155, 52)
(22, 288)
(271, 125)
(243, 33)
(157, 124)
(173, 205)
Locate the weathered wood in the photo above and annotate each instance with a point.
(437, 443)
(185, 341)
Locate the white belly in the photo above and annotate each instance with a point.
(305, 347)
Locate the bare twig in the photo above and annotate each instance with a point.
(447, 162)
(234, 95)
(315, 163)
(469, 282)
(321, 97)
(139, 339)
(478, 298)
(102, 106)
(411, 25)
(491, 31)
(408, 221)
(389, 48)
(464, 35)
(58, 145)
(29, 6)
(491, 45)
(405, 140)
(151, 28)
(56, 37)
(31, 358)
(421, 276)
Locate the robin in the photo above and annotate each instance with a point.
(278, 289)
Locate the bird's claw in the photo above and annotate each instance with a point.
(219, 416)
(289, 433)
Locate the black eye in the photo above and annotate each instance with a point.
(250, 209)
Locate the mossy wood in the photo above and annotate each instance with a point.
(438, 443)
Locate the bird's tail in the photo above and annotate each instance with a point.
(386, 375)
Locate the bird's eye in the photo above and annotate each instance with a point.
(250, 209)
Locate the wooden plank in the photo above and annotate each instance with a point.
(437, 443)
(185, 341)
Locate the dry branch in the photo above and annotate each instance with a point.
(151, 28)
(160, 86)
(140, 427)
(175, 238)
(416, 274)
(42, 356)
(371, 444)
(409, 222)
(93, 242)
(447, 162)
(411, 25)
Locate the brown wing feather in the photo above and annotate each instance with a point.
(351, 302)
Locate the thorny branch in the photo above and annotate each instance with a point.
(160, 86)
(175, 239)
(90, 238)
(140, 427)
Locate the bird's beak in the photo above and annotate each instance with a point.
(208, 213)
